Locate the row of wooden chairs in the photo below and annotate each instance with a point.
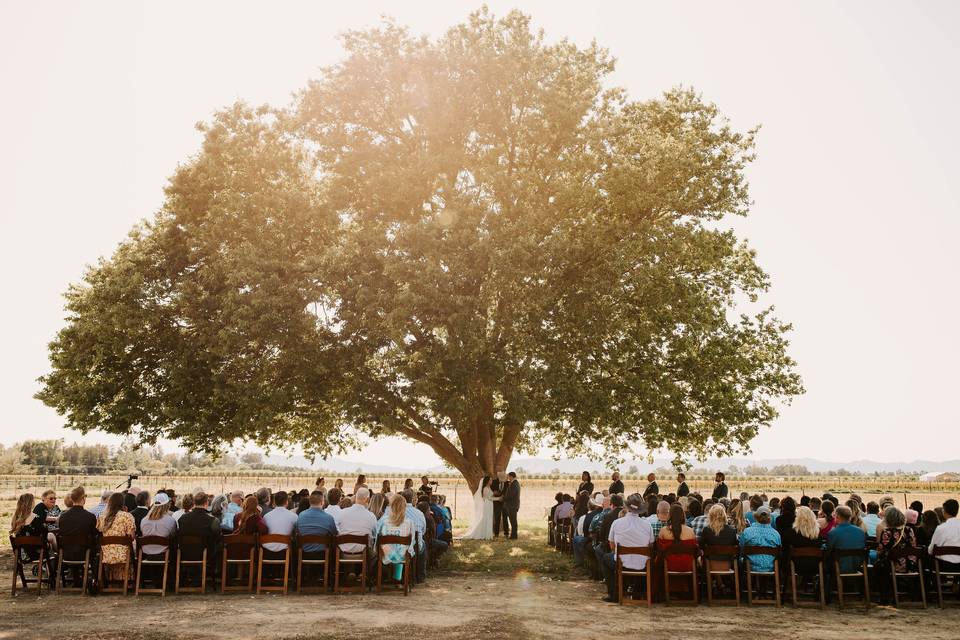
(246, 553)
(732, 553)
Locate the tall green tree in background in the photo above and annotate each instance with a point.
(468, 242)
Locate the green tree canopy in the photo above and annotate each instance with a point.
(467, 241)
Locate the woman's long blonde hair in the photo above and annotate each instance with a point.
(857, 518)
(736, 517)
(21, 515)
(378, 504)
(158, 511)
(398, 510)
(805, 523)
(717, 518)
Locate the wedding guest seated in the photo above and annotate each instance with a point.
(564, 509)
(628, 531)
(435, 546)
(316, 522)
(186, 504)
(845, 536)
(676, 531)
(358, 520)
(98, 508)
(158, 522)
(948, 535)
(280, 521)
(718, 532)
(78, 522)
(249, 521)
(378, 504)
(142, 509)
(872, 519)
(232, 507)
(815, 505)
(788, 515)
(658, 520)
(928, 526)
(581, 530)
(606, 520)
(47, 509)
(200, 523)
(857, 517)
(895, 535)
(737, 519)
(444, 530)
(804, 532)
(755, 502)
(827, 521)
(334, 496)
(419, 528)
(115, 522)
(26, 522)
(760, 534)
(396, 523)
(263, 500)
(696, 519)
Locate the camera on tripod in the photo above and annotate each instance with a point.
(130, 478)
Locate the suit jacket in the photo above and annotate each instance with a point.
(138, 515)
(199, 522)
(511, 496)
(651, 490)
(497, 487)
(77, 521)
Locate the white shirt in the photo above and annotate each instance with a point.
(334, 511)
(176, 514)
(631, 531)
(356, 520)
(279, 522)
(947, 535)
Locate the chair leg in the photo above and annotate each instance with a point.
(823, 596)
(695, 585)
(666, 584)
(893, 577)
(749, 586)
(793, 582)
(776, 581)
(923, 588)
(709, 587)
(260, 571)
(336, 571)
(836, 572)
(936, 572)
(619, 582)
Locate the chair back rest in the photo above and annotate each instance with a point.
(762, 551)
(191, 541)
(275, 538)
(325, 540)
(724, 550)
(946, 551)
(158, 540)
(382, 540)
(26, 541)
(903, 552)
(806, 552)
(849, 553)
(634, 551)
(240, 539)
(679, 549)
(74, 541)
(353, 538)
(123, 541)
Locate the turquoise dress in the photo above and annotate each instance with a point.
(395, 554)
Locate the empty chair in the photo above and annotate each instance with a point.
(357, 561)
(812, 554)
(720, 561)
(238, 552)
(319, 560)
(31, 547)
(751, 574)
(382, 553)
(159, 561)
(623, 573)
(103, 570)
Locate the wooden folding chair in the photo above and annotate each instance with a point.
(274, 538)
(193, 545)
(551, 533)
(731, 552)
(623, 573)
(141, 562)
(681, 550)
(82, 543)
(238, 551)
(21, 545)
(407, 564)
(815, 553)
(762, 551)
(906, 552)
(302, 541)
(356, 559)
(864, 573)
(103, 572)
(939, 552)
(563, 534)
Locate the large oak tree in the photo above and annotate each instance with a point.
(469, 242)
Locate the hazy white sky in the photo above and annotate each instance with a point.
(856, 190)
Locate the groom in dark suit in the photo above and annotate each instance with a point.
(511, 505)
(499, 517)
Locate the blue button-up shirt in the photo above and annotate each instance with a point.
(760, 535)
(315, 522)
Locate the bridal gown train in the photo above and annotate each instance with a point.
(482, 527)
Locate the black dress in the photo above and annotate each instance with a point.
(585, 486)
(790, 539)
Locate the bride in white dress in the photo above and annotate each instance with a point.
(482, 527)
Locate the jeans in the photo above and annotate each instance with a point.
(579, 548)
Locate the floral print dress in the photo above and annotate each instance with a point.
(115, 555)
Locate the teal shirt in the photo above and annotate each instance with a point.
(846, 536)
(760, 535)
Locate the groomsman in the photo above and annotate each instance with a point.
(652, 488)
(682, 488)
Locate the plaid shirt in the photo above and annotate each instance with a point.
(698, 524)
(657, 525)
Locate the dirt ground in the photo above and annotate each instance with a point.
(483, 590)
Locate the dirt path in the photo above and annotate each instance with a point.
(453, 607)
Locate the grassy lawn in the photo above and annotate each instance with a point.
(529, 556)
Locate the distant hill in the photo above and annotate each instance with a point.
(576, 465)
